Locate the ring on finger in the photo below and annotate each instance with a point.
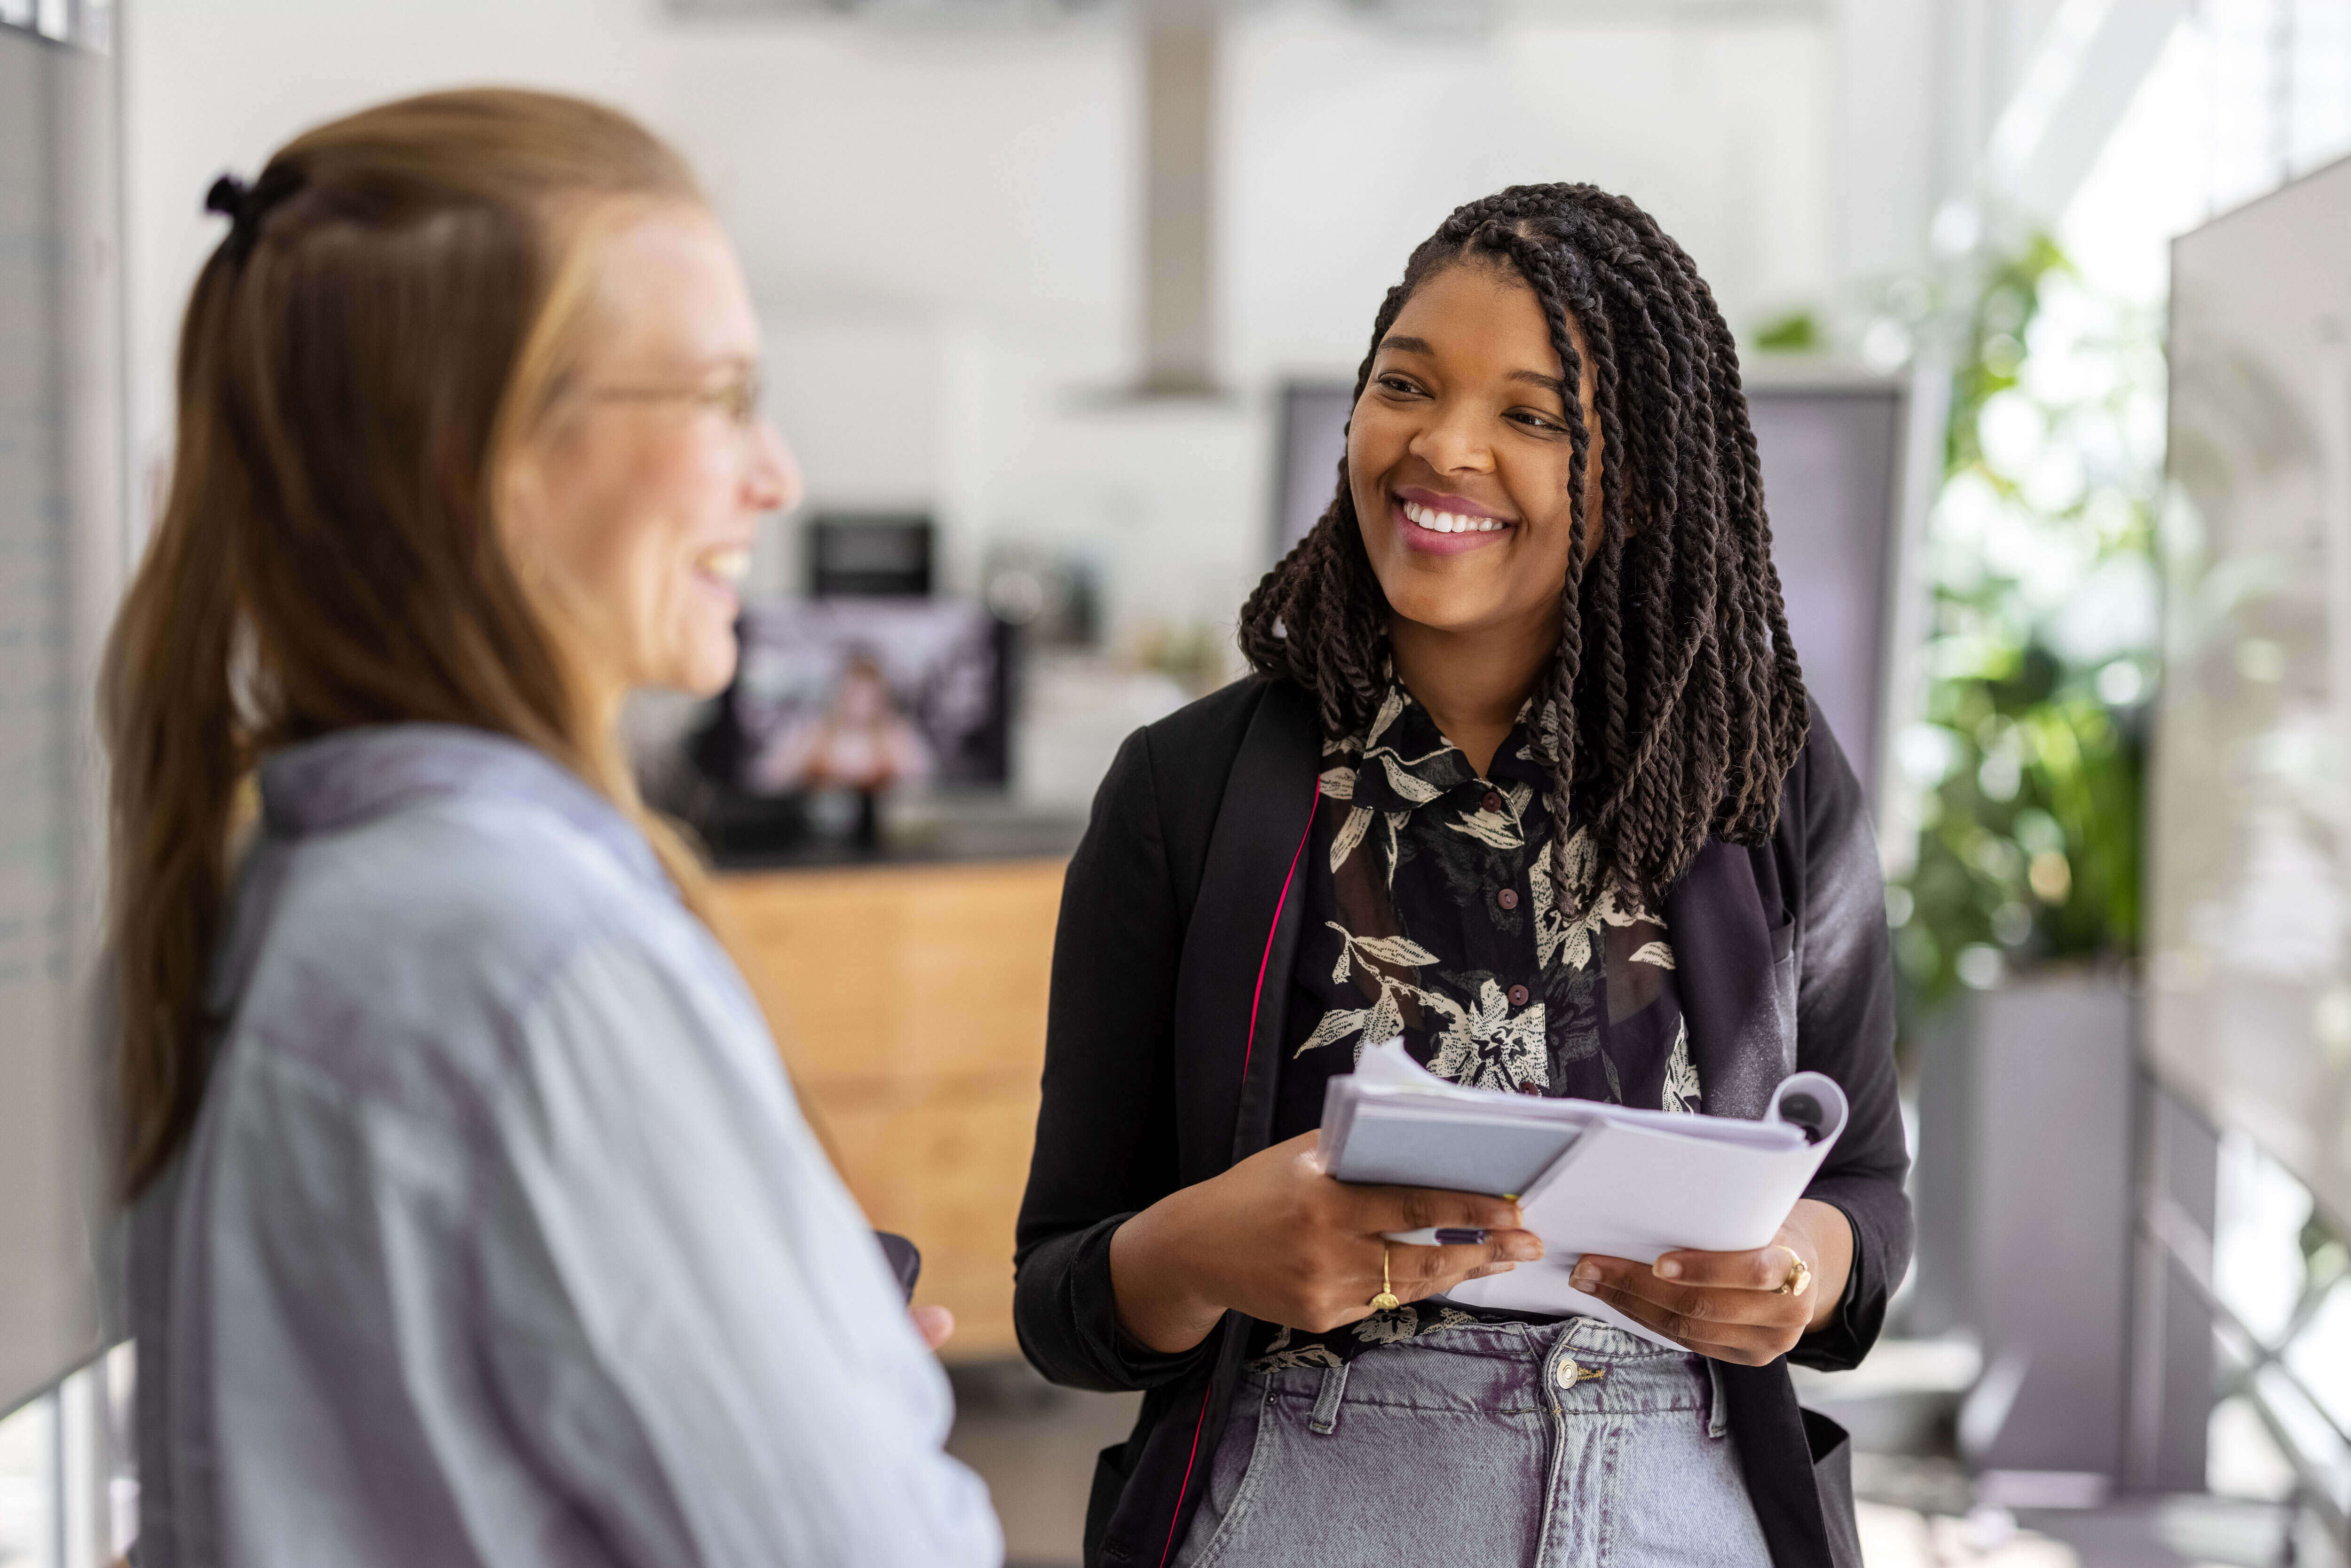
(1385, 1301)
(1799, 1279)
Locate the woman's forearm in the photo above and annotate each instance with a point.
(1277, 1238)
(1162, 1302)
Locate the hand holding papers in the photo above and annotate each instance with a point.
(1590, 1177)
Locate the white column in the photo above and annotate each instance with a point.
(1179, 44)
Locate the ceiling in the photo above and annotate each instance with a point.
(1418, 11)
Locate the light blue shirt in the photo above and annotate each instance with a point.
(500, 1238)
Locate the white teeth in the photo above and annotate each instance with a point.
(731, 565)
(1438, 522)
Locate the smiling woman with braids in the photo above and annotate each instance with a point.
(1526, 774)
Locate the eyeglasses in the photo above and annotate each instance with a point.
(738, 399)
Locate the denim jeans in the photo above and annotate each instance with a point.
(1566, 1445)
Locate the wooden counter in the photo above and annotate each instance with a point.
(909, 1002)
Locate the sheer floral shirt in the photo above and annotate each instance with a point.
(1434, 911)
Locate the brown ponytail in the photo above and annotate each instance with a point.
(396, 306)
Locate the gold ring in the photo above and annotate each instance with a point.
(1385, 1301)
(1799, 1279)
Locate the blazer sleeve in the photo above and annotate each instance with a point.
(1106, 1130)
(1844, 1028)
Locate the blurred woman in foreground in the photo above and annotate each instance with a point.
(474, 1220)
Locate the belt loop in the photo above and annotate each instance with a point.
(1326, 1403)
(1718, 1418)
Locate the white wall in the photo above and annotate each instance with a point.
(942, 225)
(1346, 147)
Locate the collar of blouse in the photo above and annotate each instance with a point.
(1401, 761)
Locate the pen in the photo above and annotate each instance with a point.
(1440, 1235)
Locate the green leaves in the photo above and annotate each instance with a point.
(2043, 866)
(2029, 769)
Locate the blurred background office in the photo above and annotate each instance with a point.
(2046, 311)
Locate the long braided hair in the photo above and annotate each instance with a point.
(1674, 708)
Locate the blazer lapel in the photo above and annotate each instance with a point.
(1233, 985)
(1725, 966)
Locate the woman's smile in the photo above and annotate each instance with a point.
(724, 567)
(1441, 524)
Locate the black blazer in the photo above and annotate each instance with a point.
(1171, 970)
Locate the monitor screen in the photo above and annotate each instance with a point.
(1310, 442)
(868, 693)
(881, 554)
(1832, 455)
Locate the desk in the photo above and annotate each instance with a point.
(909, 1002)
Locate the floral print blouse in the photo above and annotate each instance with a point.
(1432, 911)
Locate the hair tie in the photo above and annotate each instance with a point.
(226, 196)
(245, 205)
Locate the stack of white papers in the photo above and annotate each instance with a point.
(1590, 1177)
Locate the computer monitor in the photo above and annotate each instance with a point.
(870, 554)
(866, 694)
